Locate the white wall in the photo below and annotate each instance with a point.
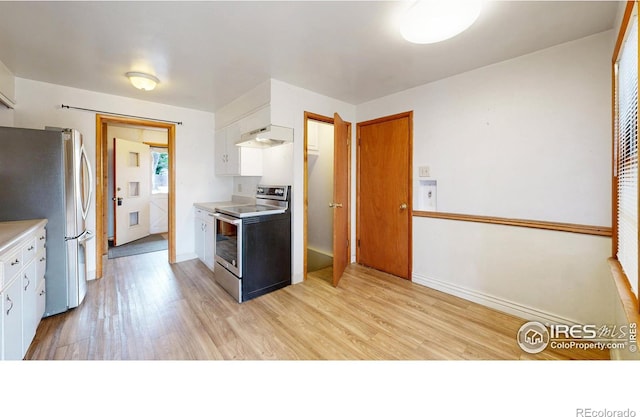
(284, 164)
(246, 186)
(515, 139)
(39, 105)
(290, 103)
(536, 274)
(320, 183)
(525, 138)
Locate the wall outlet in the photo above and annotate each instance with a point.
(424, 171)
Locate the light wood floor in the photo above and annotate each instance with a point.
(144, 308)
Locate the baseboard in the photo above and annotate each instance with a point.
(186, 257)
(91, 275)
(500, 304)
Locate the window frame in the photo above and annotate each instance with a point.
(627, 295)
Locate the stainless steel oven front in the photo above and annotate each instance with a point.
(229, 243)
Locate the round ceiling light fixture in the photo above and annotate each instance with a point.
(142, 81)
(431, 21)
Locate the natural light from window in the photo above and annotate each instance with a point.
(159, 171)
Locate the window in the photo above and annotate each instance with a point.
(625, 164)
(159, 170)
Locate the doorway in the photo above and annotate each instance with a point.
(103, 194)
(320, 148)
(327, 249)
(138, 219)
(384, 194)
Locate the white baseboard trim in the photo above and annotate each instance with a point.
(186, 257)
(500, 304)
(91, 275)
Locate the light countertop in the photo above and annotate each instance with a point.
(12, 232)
(235, 200)
(213, 205)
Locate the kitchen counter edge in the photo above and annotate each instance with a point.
(11, 232)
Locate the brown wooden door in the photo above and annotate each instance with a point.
(384, 194)
(341, 248)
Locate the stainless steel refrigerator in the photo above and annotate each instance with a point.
(46, 174)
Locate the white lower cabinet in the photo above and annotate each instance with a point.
(22, 286)
(12, 321)
(29, 307)
(205, 235)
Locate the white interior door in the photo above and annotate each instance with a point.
(132, 182)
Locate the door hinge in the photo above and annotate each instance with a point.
(358, 242)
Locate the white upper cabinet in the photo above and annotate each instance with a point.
(256, 120)
(234, 160)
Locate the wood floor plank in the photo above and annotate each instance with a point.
(145, 309)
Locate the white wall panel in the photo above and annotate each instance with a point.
(195, 180)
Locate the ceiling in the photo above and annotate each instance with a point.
(208, 53)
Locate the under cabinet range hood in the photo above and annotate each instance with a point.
(266, 137)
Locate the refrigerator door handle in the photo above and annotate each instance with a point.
(82, 237)
(87, 203)
(87, 235)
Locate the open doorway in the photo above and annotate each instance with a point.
(108, 127)
(320, 193)
(138, 170)
(326, 196)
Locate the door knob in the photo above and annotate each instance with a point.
(403, 206)
(334, 205)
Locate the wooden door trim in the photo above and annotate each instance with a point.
(102, 181)
(409, 115)
(325, 119)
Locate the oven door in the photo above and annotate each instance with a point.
(229, 243)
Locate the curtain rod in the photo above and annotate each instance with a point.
(120, 114)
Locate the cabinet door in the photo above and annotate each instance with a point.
(220, 161)
(256, 120)
(209, 241)
(198, 234)
(41, 301)
(29, 306)
(12, 321)
(233, 151)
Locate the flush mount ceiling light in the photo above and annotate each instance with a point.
(430, 21)
(142, 81)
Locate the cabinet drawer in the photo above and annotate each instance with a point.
(199, 214)
(29, 250)
(10, 263)
(41, 239)
(41, 266)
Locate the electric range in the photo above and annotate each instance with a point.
(253, 244)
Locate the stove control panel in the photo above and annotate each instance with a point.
(274, 192)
